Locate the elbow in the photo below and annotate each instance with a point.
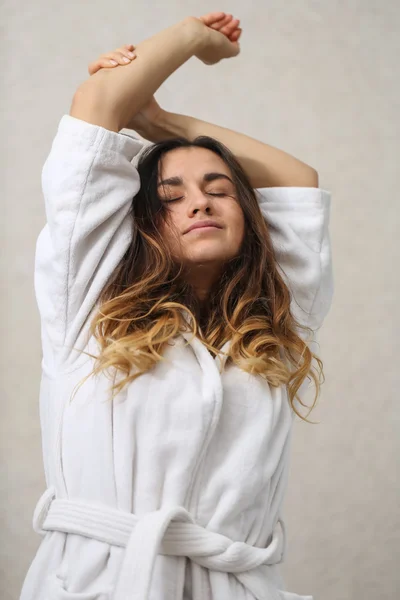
(310, 179)
(88, 104)
(313, 179)
(316, 182)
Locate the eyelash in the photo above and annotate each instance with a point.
(210, 194)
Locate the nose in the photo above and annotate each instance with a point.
(200, 202)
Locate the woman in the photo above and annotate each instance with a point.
(169, 483)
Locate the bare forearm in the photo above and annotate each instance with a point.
(265, 165)
(112, 97)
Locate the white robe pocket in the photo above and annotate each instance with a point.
(56, 589)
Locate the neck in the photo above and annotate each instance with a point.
(202, 278)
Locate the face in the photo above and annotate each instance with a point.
(198, 186)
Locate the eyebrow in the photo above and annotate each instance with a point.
(175, 181)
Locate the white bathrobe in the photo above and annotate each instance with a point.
(173, 490)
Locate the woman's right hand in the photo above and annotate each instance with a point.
(220, 34)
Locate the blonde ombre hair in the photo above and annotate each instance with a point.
(142, 307)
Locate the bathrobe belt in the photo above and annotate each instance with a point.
(170, 531)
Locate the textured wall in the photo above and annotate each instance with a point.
(320, 80)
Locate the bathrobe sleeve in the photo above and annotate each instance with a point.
(88, 183)
(298, 221)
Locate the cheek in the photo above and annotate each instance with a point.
(238, 228)
(169, 230)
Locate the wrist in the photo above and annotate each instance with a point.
(171, 125)
(196, 31)
(163, 120)
(156, 130)
(168, 125)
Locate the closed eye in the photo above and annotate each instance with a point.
(180, 198)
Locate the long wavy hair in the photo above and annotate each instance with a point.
(142, 307)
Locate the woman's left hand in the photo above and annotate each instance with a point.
(151, 112)
(120, 56)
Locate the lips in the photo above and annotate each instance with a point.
(202, 224)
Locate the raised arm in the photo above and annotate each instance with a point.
(122, 97)
(265, 165)
(112, 97)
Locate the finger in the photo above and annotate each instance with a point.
(101, 63)
(212, 17)
(235, 35)
(108, 61)
(122, 58)
(128, 50)
(221, 23)
(125, 52)
(230, 27)
(93, 68)
(113, 59)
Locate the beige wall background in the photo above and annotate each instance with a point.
(320, 80)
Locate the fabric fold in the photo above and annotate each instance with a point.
(171, 531)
